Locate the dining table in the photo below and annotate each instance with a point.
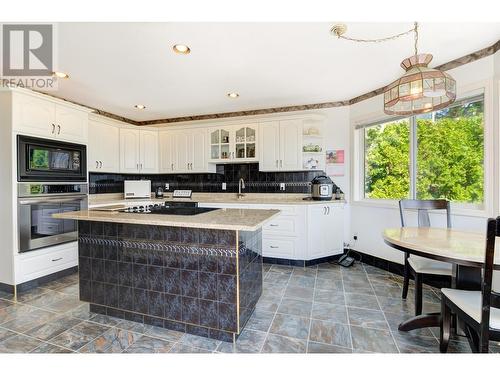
(463, 249)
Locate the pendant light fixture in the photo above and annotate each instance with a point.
(421, 89)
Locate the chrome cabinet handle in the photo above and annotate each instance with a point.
(324, 210)
(274, 247)
(273, 225)
(100, 164)
(137, 166)
(141, 166)
(58, 129)
(53, 128)
(96, 164)
(172, 166)
(328, 210)
(56, 260)
(276, 163)
(281, 163)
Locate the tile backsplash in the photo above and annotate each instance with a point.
(255, 181)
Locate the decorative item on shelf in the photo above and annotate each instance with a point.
(421, 89)
(311, 148)
(311, 131)
(311, 163)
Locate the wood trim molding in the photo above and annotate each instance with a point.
(485, 52)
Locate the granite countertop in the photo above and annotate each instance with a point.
(211, 198)
(224, 218)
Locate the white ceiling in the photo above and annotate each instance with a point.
(114, 66)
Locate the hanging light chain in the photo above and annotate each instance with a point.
(416, 38)
(339, 33)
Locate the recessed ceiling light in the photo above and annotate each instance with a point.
(233, 95)
(140, 106)
(182, 49)
(60, 75)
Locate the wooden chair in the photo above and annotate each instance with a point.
(479, 310)
(415, 265)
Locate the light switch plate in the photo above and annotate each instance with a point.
(224, 187)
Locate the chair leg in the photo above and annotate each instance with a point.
(418, 293)
(406, 281)
(444, 334)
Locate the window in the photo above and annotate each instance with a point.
(387, 160)
(430, 156)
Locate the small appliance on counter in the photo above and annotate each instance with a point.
(137, 189)
(322, 188)
(159, 192)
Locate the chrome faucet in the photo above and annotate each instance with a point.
(241, 185)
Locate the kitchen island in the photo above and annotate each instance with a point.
(200, 274)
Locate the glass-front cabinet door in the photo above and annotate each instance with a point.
(233, 143)
(245, 141)
(220, 144)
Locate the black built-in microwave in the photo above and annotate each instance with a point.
(49, 160)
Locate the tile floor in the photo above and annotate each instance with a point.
(321, 309)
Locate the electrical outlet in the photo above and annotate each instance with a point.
(282, 186)
(355, 237)
(167, 186)
(224, 187)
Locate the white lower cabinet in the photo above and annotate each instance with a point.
(35, 264)
(300, 232)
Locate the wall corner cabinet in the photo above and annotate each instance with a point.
(234, 143)
(184, 151)
(104, 147)
(138, 151)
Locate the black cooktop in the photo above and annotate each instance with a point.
(180, 210)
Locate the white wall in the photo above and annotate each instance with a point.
(368, 220)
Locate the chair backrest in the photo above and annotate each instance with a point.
(423, 207)
(490, 297)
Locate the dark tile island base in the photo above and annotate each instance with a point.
(200, 281)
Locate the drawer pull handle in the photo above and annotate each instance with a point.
(56, 260)
(274, 247)
(273, 225)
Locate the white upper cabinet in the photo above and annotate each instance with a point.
(104, 147)
(130, 141)
(280, 144)
(184, 151)
(234, 143)
(291, 145)
(269, 142)
(45, 118)
(148, 161)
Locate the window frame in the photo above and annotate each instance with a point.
(467, 209)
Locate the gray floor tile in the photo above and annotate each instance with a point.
(282, 344)
(290, 326)
(330, 333)
(30, 294)
(24, 322)
(358, 287)
(260, 320)
(268, 304)
(19, 344)
(79, 335)
(367, 318)
(326, 284)
(182, 348)
(47, 348)
(5, 334)
(329, 312)
(199, 342)
(396, 305)
(408, 343)
(373, 340)
(248, 342)
(295, 307)
(335, 297)
(106, 320)
(5, 303)
(332, 275)
(146, 344)
(298, 292)
(115, 340)
(164, 334)
(302, 281)
(395, 319)
(47, 331)
(363, 301)
(317, 347)
(305, 271)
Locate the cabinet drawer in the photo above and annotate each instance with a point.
(285, 210)
(43, 264)
(278, 247)
(283, 225)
